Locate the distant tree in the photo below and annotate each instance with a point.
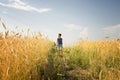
(106, 37)
(118, 39)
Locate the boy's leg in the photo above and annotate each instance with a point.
(61, 53)
(59, 47)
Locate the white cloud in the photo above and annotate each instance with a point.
(112, 31)
(19, 4)
(112, 27)
(83, 31)
(72, 27)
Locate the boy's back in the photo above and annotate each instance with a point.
(59, 40)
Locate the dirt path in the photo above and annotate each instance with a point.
(55, 69)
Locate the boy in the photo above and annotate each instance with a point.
(59, 43)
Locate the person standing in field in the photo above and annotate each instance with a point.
(59, 43)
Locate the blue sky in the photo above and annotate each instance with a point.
(75, 19)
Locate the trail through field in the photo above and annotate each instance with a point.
(56, 67)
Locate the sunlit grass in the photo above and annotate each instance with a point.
(20, 55)
(101, 59)
(24, 57)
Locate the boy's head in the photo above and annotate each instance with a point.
(59, 35)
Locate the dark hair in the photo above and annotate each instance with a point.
(60, 34)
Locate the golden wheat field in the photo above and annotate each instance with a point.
(35, 58)
(20, 56)
(94, 60)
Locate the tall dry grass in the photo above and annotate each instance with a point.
(94, 60)
(22, 57)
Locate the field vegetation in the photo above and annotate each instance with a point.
(24, 57)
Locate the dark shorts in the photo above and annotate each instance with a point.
(59, 47)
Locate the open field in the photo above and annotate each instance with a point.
(36, 58)
(94, 60)
(59, 39)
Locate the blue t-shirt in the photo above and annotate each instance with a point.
(59, 41)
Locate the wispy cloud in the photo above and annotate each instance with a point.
(20, 5)
(72, 27)
(83, 31)
(112, 31)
